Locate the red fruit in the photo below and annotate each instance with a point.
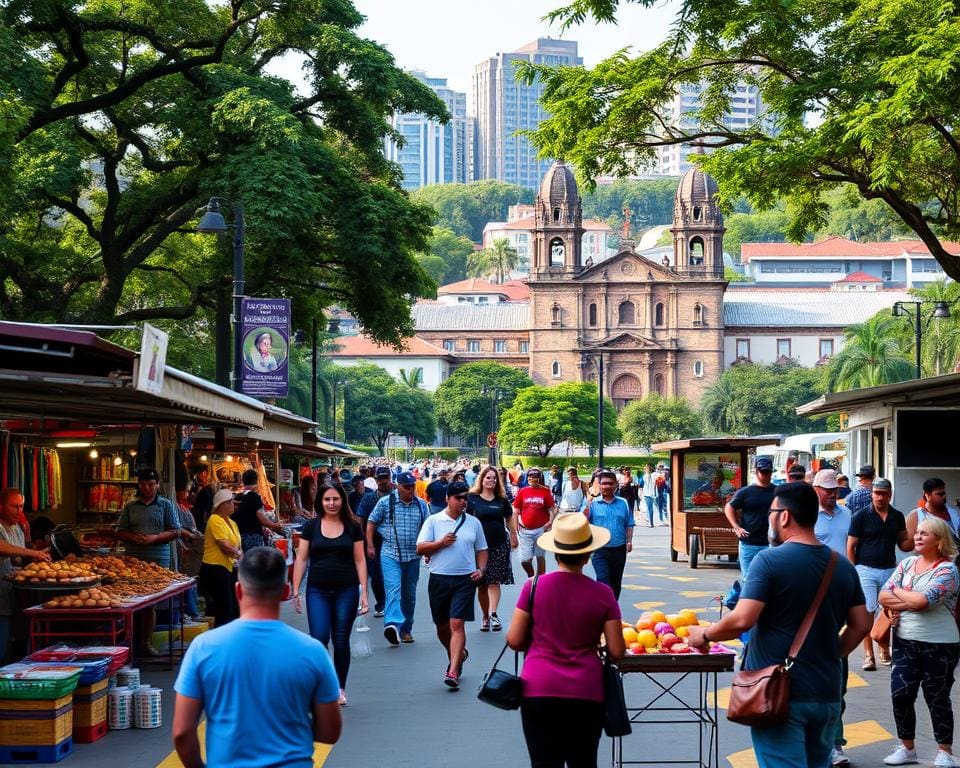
(638, 650)
(668, 640)
(681, 648)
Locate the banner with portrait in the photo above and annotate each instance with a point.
(265, 335)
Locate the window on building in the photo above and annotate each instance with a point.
(826, 348)
(473, 345)
(500, 345)
(482, 299)
(698, 314)
(658, 314)
(697, 213)
(783, 348)
(450, 345)
(556, 215)
(626, 313)
(698, 369)
(555, 369)
(524, 347)
(592, 316)
(743, 349)
(556, 252)
(659, 385)
(556, 314)
(696, 252)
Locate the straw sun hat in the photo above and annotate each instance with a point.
(573, 535)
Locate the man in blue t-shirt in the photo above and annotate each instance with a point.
(783, 582)
(747, 514)
(262, 708)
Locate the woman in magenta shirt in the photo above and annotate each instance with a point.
(562, 709)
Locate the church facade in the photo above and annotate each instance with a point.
(643, 326)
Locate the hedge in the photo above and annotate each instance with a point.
(585, 464)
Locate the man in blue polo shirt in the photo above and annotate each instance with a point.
(262, 707)
(611, 512)
(437, 491)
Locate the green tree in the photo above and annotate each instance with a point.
(433, 266)
(497, 261)
(657, 419)
(649, 202)
(412, 377)
(874, 352)
(718, 406)
(940, 348)
(879, 74)
(121, 119)
(764, 227)
(464, 399)
(376, 406)
(542, 417)
(466, 208)
(454, 250)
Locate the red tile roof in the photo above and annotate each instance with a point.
(859, 277)
(840, 247)
(363, 346)
(471, 285)
(516, 290)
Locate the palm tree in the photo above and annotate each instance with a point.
(717, 406)
(873, 353)
(498, 260)
(941, 339)
(412, 378)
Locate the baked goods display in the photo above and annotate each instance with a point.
(75, 571)
(94, 597)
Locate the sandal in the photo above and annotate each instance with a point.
(485, 624)
(885, 658)
(869, 665)
(495, 624)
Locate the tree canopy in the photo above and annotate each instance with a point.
(657, 419)
(463, 401)
(542, 417)
(496, 262)
(121, 119)
(874, 352)
(878, 77)
(466, 208)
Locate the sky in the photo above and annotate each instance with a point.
(447, 38)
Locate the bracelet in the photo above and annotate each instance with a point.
(705, 638)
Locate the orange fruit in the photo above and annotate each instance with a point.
(657, 616)
(682, 631)
(673, 620)
(643, 624)
(629, 635)
(647, 638)
(688, 617)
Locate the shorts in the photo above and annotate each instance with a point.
(527, 539)
(451, 597)
(872, 581)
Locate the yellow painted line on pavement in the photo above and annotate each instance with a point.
(855, 681)
(635, 586)
(744, 759)
(651, 567)
(697, 593)
(647, 606)
(674, 578)
(320, 752)
(857, 735)
(723, 698)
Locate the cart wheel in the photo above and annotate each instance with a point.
(693, 549)
(673, 554)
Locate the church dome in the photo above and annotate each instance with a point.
(559, 186)
(696, 187)
(695, 203)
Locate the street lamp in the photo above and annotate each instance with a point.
(597, 360)
(212, 222)
(941, 310)
(495, 397)
(344, 383)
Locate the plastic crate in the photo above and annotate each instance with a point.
(32, 723)
(94, 668)
(89, 706)
(37, 681)
(87, 734)
(36, 754)
(119, 654)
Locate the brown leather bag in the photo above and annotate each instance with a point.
(885, 622)
(761, 697)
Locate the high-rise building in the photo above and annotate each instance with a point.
(432, 152)
(746, 109)
(501, 107)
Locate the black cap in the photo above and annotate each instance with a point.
(867, 471)
(382, 472)
(457, 489)
(148, 474)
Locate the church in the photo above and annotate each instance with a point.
(641, 326)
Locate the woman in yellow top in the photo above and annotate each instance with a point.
(221, 550)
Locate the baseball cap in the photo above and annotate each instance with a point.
(825, 478)
(382, 472)
(148, 474)
(369, 483)
(221, 496)
(882, 484)
(406, 478)
(764, 464)
(457, 489)
(867, 471)
(798, 471)
(345, 475)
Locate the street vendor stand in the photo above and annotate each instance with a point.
(664, 680)
(705, 472)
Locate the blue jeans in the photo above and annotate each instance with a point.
(330, 613)
(608, 564)
(190, 602)
(805, 740)
(648, 500)
(746, 554)
(400, 583)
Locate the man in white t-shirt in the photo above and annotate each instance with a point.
(457, 551)
(573, 497)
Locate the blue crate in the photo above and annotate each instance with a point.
(26, 755)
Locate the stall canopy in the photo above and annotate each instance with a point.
(938, 390)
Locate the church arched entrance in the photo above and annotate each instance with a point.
(625, 388)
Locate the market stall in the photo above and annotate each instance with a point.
(706, 473)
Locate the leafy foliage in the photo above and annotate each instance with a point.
(497, 261)
(466, 208)
(880, 76)
(657, 419)
(541, 417)
(874, 353)
(463, 401)
(454, 250)
(121, 119)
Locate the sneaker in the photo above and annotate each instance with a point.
(495, 623)
(838, 757)
(149, 650)
(378, 612)
(944, 760)
(484, 624)
(343, 698)
(406, 637)
(392, 634)
(869, 665)
(451, 680)
(885, 658)
(901, 756)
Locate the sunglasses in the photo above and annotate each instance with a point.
(461, 497)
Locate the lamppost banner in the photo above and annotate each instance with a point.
(265, 332)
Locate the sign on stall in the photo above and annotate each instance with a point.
(265, 331)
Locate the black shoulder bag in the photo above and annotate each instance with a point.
(499, 688)
(616, 718)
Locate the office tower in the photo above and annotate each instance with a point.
(432, 152)
(501, 106)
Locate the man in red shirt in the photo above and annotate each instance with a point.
(535, 513)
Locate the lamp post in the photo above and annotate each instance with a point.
(941, 309)
(212, 222)
(343, 383)
(495, 396)
(596, 359)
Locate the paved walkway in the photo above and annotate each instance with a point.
(402, 715)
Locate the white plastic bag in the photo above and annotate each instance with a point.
(361, 645)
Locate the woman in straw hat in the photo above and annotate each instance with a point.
(562, 709)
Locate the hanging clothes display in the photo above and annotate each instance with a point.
(32, 469)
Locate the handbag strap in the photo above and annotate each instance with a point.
(807, 622)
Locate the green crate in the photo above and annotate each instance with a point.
(38, 689)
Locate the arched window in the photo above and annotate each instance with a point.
(659, 384)
(658, 315)
(627, 313)
(697, 213)
(556, 252)
(555, 314)
(698, 314)
(556, 215)
(696, 252)
(592, 316)
(555, 369)
(698, 369)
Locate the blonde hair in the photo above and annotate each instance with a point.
(943, 532)
(477, 487)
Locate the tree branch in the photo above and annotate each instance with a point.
(76, 210)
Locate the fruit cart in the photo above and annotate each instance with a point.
(705, 473)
